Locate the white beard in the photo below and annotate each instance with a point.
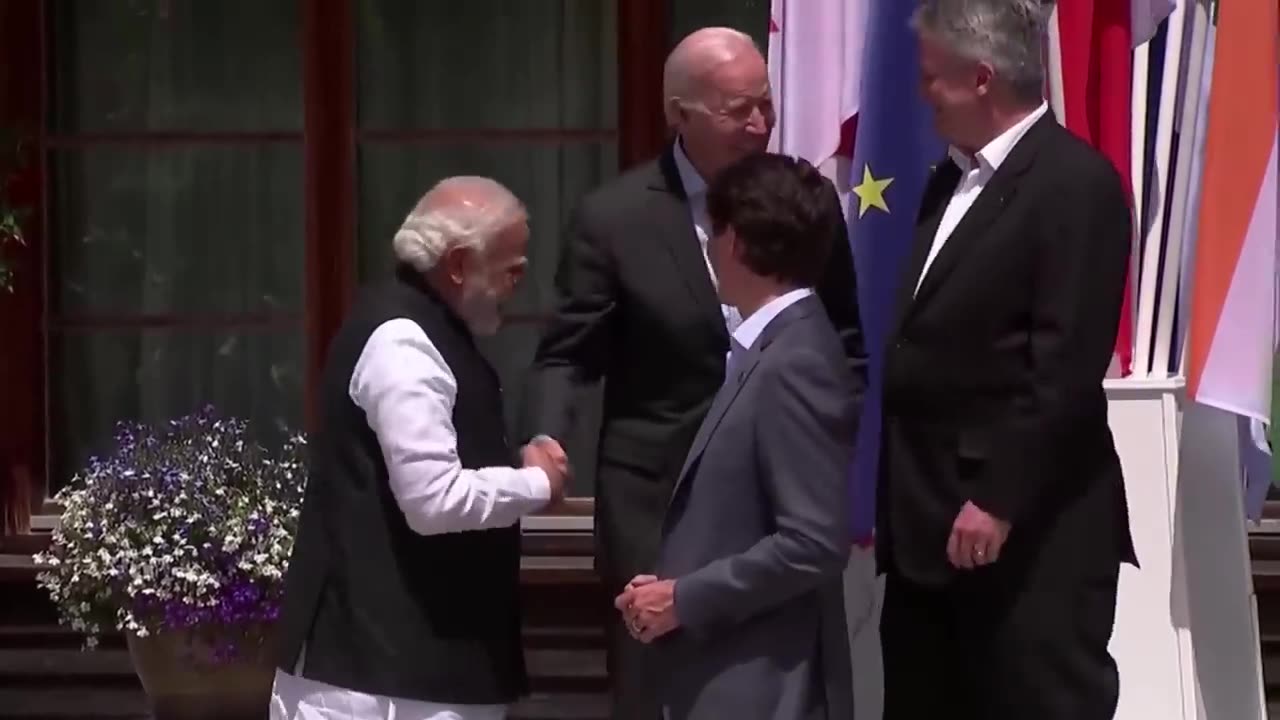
(479, 307)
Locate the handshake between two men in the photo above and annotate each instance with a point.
(546, 454)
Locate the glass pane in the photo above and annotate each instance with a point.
(749, 16)
(550, 179)
(212, 229)
(487, 64)
(188, 65)
(101, 377)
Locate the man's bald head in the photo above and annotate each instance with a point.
(689, 66)
(717, 98)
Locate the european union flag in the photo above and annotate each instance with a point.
(895, 147)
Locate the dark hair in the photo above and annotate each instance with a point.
(783, 212)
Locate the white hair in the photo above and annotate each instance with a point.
(1009, 35)
(700, 52)
(463, 211)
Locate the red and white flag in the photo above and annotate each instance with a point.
(815, 68)
(1094, 34)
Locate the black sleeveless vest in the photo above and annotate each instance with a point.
(379, 608)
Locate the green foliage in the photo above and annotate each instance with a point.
(10, 216)
(10, 236)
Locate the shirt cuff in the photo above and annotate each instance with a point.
(539, 484)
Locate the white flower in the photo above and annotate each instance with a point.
(166, 540)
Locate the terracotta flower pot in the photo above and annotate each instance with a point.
(185, 679)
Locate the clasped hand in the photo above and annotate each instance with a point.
(545, 453)
(648, 607)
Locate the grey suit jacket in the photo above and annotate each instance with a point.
(756, 535)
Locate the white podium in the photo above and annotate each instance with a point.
(1186, 634)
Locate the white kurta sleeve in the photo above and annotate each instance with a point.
(407, 392)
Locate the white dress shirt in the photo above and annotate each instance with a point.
(695, 188)
(975, 172)
(755, 323)
(749, 330)
(407, 392)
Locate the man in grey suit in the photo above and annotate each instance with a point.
(745, 605)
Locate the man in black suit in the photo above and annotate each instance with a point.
(1002, 515)
(637, 308)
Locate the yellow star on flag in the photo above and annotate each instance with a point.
(871, 192)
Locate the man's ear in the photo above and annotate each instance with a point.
(456, 263)
(734, 242)
(674, 113)
(983, 78)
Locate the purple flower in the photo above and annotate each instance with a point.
(178, 528)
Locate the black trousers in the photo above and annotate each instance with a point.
(989, 647)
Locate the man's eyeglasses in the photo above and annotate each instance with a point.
(737, 111)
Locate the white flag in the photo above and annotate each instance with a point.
(815, 68)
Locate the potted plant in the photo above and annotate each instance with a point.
(180, 539)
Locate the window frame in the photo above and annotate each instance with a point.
(329, 139)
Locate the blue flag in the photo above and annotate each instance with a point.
(895, 149)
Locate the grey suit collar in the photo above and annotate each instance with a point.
(732, 385)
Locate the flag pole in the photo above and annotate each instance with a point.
(1152, 247)
(1138, 179)
(1162, 356)
(1057, 95)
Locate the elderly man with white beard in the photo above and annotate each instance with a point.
(402, 594)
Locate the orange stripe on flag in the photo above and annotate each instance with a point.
(1242, 128)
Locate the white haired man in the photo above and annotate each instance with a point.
(637, 308)
(402, 594)
(1002, 515)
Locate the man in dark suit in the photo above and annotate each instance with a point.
(746, 604)
(1002, 515)
(637, 309)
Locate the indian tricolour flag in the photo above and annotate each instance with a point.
(1232, 332)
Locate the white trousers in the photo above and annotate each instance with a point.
(296, 698)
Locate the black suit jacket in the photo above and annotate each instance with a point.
(993, 373)
(636, 308)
